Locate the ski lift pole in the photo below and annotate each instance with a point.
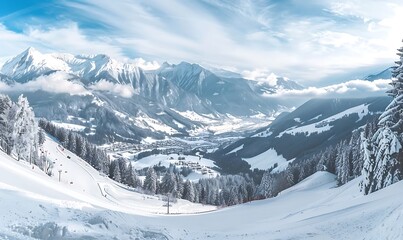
(60, 174)
(168, 204)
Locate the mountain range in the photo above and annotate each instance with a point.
(111, 100)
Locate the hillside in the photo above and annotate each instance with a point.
(81, 182)
(308, 129)
(38, 207)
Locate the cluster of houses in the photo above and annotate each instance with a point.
(195, 166)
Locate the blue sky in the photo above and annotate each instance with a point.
(314, 42)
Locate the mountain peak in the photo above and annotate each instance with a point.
(385, 74)
(31, 63)
(27, 54)
(31, 50)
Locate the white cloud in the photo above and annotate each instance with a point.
(141, 63)
(54, 83)
(353, 88)
(125, 91)
(253, 36)
(67, 38)
(261, 75)
(59, 82)
(336, 39)
(332, 37)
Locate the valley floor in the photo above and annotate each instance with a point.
(86, 205)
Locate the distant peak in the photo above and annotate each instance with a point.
(184, 64)
(30, 51)
(165, 65)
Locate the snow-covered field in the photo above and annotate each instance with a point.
(268, 159)
(36, 206)
(202, 167)
(69, 126)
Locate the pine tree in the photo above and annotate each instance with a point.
(130, 178)
(383, 154)
(24, 130)
(356, 154)
(71, 142)
(265, 188)
(96, 158)
(343, 163)
(116, 174)
(169, 184)
(61, 135)
(80, 148)
(5, 123)
(41, 136)
(188, 191)
(150, 182)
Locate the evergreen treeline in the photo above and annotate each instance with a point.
(224, 190)
(120, 170)
(79, 145)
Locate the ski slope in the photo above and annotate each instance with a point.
(34, 205)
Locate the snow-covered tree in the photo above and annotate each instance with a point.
(357, 159)
(116, 173)
(80, 146)
(5, 123)
(383, 152)
(131, 177)
(169, 184)
(188, 191)
(265, 189)
(343, 163)
(150, 182)
(71, 142)
(25, 129)
(41, 136)
(382, 166)
(62, 136)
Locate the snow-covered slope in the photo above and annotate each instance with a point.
(80, 182)
(310, 128)
(36, 206)
(385, 74)
(268, 159)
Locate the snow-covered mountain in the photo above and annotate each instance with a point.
(310, 128)
(385, 74)
(123, 101)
